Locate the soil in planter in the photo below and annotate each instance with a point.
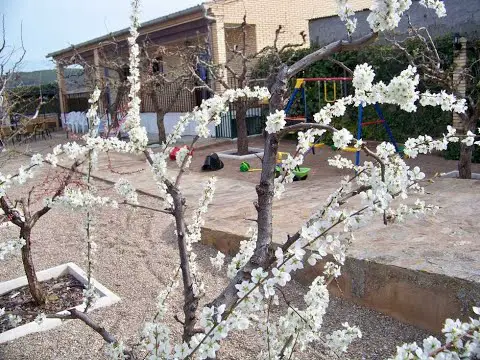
(61, 294)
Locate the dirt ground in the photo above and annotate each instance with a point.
(136, 257)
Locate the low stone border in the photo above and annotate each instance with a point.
(229, 154)
(420, 298)
(106, 298)
(454, 174)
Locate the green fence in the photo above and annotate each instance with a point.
(255, 118)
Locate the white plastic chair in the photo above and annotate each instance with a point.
(70, 119)
(75, 122)
(83, 123)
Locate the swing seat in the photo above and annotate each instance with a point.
(347, 149)
(295, 118)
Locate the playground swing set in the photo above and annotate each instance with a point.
(328, 83)
(331, 83)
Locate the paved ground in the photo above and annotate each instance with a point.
(136, 257)
(454, 231)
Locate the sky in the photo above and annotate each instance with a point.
(51, 25)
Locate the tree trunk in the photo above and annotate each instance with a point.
(33, 283)
(116, 105)
(242, 133)
(190, 304)
(160, 116)
(465, 161)
(265, 190)
(162, 136)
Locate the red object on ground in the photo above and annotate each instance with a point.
(173, 152)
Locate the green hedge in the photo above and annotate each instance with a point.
(387, 62)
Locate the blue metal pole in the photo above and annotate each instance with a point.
(378, 109)
(359, 132)
(304, 94)
(291, 100)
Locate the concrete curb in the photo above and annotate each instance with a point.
(454, 174)
(229, 154)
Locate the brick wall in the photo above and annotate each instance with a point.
(234, 40)
(266, 15)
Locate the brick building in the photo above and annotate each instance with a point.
(215, 23)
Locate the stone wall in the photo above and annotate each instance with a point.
(463, 17)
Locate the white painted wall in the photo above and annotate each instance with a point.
(149, 120)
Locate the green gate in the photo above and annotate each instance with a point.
(255, 119)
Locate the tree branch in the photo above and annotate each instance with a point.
(328, 50)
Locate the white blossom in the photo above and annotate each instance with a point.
(115, 351)
(14, 320)
(339, 340)
(181, 155)
(10, 247)
(342, 138)
(347, 15)
(125, 189)
(40, 318)
(217, 261)
(437, 5)
(275, 122)
(77, 199)
(247, 247)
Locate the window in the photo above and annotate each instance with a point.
(157, 66)
(126, 71)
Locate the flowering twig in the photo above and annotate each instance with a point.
(169, 212)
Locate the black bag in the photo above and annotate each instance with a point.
(212, 163)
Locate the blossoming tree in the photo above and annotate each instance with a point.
(258, 272)
(436, 70)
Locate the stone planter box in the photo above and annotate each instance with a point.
(230, 154)
(106, 298)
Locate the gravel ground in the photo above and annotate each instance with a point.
(136, 258)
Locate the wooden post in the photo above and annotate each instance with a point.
(98, 77)
(460, 62)
(61, 91)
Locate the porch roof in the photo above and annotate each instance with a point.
(144, 28)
